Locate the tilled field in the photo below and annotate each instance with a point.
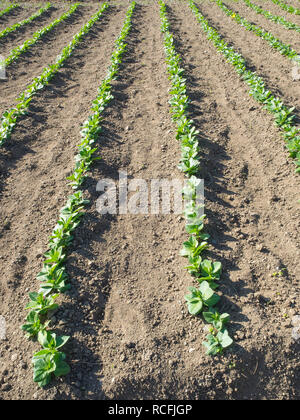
(131, 335)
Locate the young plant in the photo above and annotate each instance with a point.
(193, 248)
(275, 43)
(217, 342)
(287, 7)
(9, 118)
(33, 324)
(18, 25)
(41, 304)
(49, 361)
(217, 320)
(8, 9)
(21, 49)
(205, 271)
(200, 297)
(274, 18)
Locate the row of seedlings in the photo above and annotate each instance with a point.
(283, 115)
(8, 9)
(287, 7)
(202, 299)
(37, 36)
(24, 22)
(276, 43)
(274, 18)
(54, 279)
(10, 117)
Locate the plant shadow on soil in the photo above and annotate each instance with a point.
(91, 230)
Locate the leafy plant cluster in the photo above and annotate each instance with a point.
(274, 18)
(287, 7)
(202, 299)
(8, 9)
(16, 52)
(53, 276)
(10, 117)
(18, 25)
(283, 116)
(275, 43)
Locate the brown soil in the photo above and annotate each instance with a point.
(131, 335)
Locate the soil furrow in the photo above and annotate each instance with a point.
(36, 187)
(43, 53)
(275, 69)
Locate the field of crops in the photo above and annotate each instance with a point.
(141, 304)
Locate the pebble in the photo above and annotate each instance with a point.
(296, 321)
(14, 357)
(296, 333)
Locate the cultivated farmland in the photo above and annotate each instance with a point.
(150, 304)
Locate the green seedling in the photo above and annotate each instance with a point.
(205, 271)
(217, 342)
(9, 118)
(18, 25)
(217, 320)
(201, 297)
(49, 361)
(287, 7)
(34, 325)
(21, 49)
(41, 304)
(278, 19)
(193, 248)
